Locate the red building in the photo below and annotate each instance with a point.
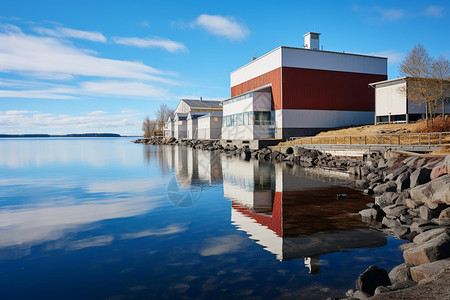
(311, 89)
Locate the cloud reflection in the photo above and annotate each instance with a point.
(95, 241)
(223, 245)
(29, 226)
(171, 229)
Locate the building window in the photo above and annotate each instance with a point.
(262, 118)
(240, 119)
(250, 118)
(216, 119)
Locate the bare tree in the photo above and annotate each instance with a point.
(427, 79)
(148, 127)
(440, 71)
(162, 114)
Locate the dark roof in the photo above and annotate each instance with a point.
(203, 103)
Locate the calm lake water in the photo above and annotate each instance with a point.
(103, 218)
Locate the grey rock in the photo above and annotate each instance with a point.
(445, 214)
(425, 213)
(419, 176)
(361, 295)
(381, 289)
(410, 161)
(372, 278)
(394, 210)
(428, 235)
(403, 182)
(361, 184)
(401, 273)
(386, 199)
(388, 222)
(435, 249)
(366, 213)
(430, 193)
(420, 163)
(389, 186)
(402, 285)
(401, 231)
(391, 162)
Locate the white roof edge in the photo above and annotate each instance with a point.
(303, 49)
(387, 81)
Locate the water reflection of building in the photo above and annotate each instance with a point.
(292, 216)
(192, 166)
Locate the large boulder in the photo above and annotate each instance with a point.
(441, 168)
(372, 278)
(435, 249)
(434, 192)
(428, 235)
(419, 177)
(401, 273)
(403, 182)
(389, 186)
(429, 270)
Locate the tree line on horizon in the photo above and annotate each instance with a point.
(151, 127)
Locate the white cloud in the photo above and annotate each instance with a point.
(165, 44)
(145, 24)
(97, 113)
(63, 32)
(19, 112)
(393, 56)
(390, 14)
(34, 94)
(222, 26)
(66, 122)
(49, 56)
(119, 88)
(434, 11)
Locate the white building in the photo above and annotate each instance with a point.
(180, 126)
(192, 124)
(249, 116)
(169, 127)
(209, 126)
(392, 103)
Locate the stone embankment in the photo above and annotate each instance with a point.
(411, 202)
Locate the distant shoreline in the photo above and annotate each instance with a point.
(59, 135)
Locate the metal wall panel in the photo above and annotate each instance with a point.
(328, 90)
(273, 77)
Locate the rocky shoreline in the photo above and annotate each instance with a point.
(411, 202)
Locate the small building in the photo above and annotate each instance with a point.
(194, 105)
(209, 126)
(180, 126)
(249, 116)
(392, 104)
(169, 127)
(311, 90)
(183, 124)
(192, 121)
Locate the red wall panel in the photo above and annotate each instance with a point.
(330, 90)
(273, 77)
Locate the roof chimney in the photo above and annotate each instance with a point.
(201, 99)
(312, 41)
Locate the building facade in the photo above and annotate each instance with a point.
(311, 90)
(392, 104)
(209, 126)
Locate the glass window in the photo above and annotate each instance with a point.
(245, 118)
(250, 118)
(262, 117)
(240, 119)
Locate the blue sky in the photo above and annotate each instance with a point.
(101, 66)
